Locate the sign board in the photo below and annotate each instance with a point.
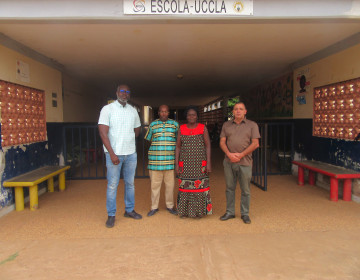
(189, 7)
(22, 71)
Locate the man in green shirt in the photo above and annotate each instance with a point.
(162, 134)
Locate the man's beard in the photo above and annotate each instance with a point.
(123, 100)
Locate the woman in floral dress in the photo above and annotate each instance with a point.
(192, 165)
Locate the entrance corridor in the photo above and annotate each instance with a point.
(296, 233)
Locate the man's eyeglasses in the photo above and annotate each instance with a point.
(124, 91)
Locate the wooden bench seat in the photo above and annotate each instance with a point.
(32, 179)
(334, 172)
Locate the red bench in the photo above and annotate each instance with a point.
(334, 172)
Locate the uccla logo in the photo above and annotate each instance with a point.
(238, 6)
(139, 6)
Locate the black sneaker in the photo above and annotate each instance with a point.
(246, 219)
(152, 212)
(110, 221)
(133, 215)
(172, 211)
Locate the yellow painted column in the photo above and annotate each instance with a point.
(51, 184)
(34, 198)
(62, 181)
(19, 198)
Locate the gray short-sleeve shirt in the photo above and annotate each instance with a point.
(239, 137)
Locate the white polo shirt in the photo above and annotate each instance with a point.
(121, 121)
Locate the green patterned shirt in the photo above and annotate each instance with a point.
(163, 143)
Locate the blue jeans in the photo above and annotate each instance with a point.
(128, 163)
(235, 172)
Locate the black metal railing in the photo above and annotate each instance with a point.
(280, 147)
(83, 151)
(259, 177)
(275, 152)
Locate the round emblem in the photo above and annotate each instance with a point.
(139, 5)
(238, 6)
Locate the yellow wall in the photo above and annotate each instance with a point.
(82, 103)
(42, 77)
(344, 65)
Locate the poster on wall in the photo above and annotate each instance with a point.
(302, 86)
(22, 71)
(272, 99)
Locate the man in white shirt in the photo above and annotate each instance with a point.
(119, 125)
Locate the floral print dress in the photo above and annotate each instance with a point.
(194, 191)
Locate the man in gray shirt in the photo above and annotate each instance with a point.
(238, 139)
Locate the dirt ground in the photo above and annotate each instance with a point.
(296, 233)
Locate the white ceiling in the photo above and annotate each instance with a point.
(215, 57)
